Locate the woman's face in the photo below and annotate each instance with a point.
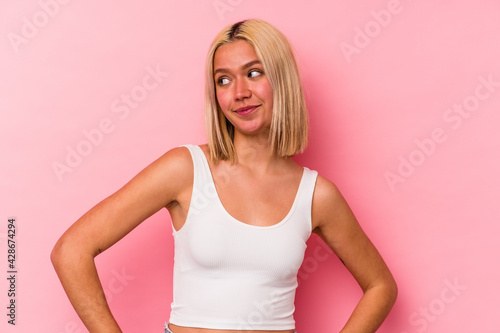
(242, 89)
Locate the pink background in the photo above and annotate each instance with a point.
(385, 82)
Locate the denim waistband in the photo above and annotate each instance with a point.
(167, 330)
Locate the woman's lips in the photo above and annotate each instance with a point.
(246, 110)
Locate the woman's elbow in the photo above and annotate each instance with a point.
(67, 252)
(57, 254)
(391, 291)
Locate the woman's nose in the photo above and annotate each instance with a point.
(241, 89)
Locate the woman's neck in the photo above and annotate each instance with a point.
(256, 153)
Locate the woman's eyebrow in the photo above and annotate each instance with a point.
(249, 64)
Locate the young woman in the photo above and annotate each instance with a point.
(241, 209)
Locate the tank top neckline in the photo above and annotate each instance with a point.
(221, 206)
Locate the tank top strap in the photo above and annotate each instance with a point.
(304, 199)
(310, 177)
(202, 175)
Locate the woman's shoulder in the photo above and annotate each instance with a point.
(175, 163)
(178, 156)
(326, 191)
(184, 150)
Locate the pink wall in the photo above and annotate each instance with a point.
(404, 99)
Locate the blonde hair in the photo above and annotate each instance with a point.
(288, 132)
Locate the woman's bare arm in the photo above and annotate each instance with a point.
(336, 225)
(157, 186)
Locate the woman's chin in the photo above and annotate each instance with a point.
(252, 131)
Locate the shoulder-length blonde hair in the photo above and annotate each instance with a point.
(288, 132)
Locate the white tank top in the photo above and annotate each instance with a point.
(233, 275)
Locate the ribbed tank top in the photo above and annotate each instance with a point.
(233, 275)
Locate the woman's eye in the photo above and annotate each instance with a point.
(222, 81)
(254, 73)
